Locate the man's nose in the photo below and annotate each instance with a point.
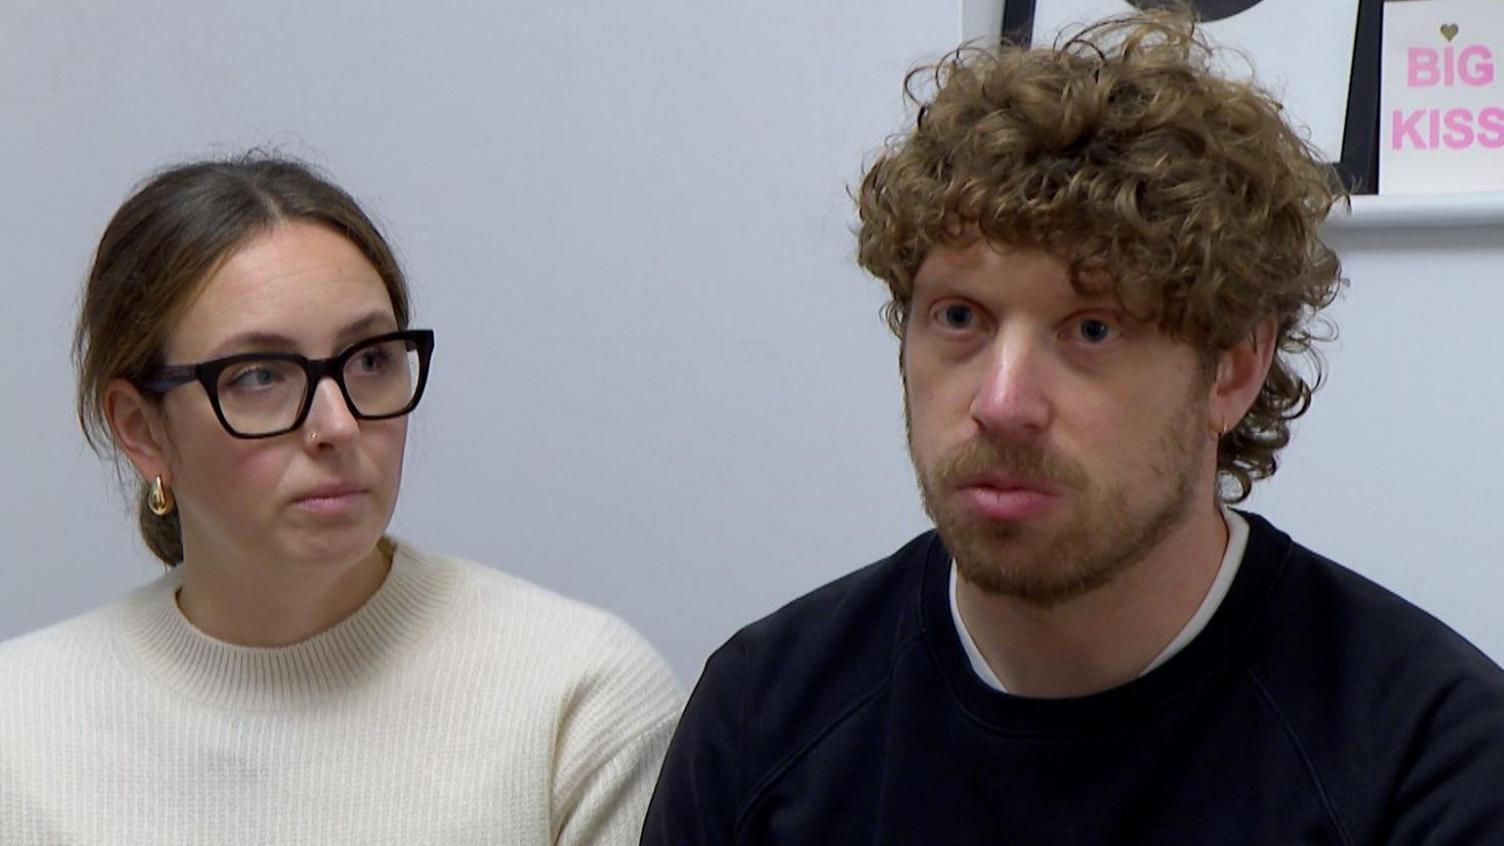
(1013, 398)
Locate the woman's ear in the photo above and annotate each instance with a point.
(1241, 371)
(139, 429)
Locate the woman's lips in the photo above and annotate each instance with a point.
(330, 501)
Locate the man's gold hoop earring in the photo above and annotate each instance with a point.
(159, 499)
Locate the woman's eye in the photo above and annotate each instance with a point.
(372, 360)
(957, 316)
(255, 377)
(1095, 331)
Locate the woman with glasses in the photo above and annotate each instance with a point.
(297, 675)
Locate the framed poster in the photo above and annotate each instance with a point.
(1442, 98)
(1320, 58)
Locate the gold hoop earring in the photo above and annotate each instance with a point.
(159, 499)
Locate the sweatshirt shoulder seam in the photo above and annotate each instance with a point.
(777, 772)
(1327, 803)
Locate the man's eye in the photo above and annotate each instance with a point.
(1095, 331)
(957, 316)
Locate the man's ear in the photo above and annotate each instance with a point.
(1241, 371)
(139, 429)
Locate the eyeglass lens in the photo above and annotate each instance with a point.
(260, 396)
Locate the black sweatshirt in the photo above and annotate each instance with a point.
(1315, 707)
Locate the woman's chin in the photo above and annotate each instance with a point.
(347, 546)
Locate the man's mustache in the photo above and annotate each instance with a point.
(1027, 463)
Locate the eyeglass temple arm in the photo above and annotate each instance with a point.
(168, 377)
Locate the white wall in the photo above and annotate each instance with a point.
(661, 382)
(1396, 470)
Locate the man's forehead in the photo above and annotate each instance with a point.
(982, 265)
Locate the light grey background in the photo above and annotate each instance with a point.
(661, 382)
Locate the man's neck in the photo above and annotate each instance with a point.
(1106, 637)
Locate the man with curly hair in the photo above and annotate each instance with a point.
(1105, 273)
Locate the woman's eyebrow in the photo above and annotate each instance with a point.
(263, 341)
(254, 340)
(358, 329)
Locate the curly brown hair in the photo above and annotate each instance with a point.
(1121, 150)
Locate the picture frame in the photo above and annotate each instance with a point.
(1358, 162)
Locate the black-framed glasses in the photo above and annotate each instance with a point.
(262, 395)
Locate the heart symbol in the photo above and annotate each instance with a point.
(1449, 31)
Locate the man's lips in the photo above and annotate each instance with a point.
(999, 496)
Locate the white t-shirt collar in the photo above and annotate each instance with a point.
(1237, 543)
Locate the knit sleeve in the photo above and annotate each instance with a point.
(614, 731)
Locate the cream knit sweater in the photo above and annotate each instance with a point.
(459, 705)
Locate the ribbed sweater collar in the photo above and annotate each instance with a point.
(409, 603)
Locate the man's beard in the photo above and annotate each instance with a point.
(1106, 534)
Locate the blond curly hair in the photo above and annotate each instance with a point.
(1121, 150)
